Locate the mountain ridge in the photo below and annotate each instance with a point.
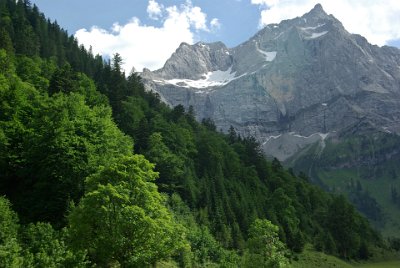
(307, 75)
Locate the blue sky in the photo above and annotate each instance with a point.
(147, 32)
(240, 18)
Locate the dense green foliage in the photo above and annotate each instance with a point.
(264, 247)
(10, 250)
(71, 131)
(120, 203)
(34, 245)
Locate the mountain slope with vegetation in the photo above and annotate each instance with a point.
(363, 167)
(94, 170)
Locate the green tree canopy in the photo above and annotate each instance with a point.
(45, 247)
(264, 247)
(122, 217)
(10, 250)
(51, 144)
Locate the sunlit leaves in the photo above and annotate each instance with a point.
(122, 217)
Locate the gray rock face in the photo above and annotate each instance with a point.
(288, 83)
(192, 62)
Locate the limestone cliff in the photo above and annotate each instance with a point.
(292, 84)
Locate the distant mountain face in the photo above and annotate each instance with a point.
(293, 84)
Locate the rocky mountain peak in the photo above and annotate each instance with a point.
(318, 14)
(318, 10)
(195, 61)
(292, 83)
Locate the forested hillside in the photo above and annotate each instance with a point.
(94, 170)
(363, 166)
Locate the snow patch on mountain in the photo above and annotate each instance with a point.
(269, 55)
(271, 137)
(316, 35)
(312, 27)
(322, 135)
(211, 79)
(310, 31)
(285, 145)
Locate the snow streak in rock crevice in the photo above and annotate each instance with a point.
(269, 55)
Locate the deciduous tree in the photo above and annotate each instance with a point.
(122, 217)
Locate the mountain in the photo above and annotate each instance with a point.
(324, 101)
(292, 84)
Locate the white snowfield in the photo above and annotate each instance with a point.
(316, 35)
(309, 31)
(269, 55)
(211, 79)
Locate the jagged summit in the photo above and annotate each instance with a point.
(318, 7)
(195, 61)
(292, 83)
(318, 14)
(317, 10)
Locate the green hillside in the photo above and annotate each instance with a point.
(365, 168)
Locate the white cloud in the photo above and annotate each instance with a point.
(154, 10)
(265, 2)
(193, 15)
(148, 46)
(378, 21)
(198, 18)
(215, 24)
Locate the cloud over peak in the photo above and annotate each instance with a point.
(149, 46)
